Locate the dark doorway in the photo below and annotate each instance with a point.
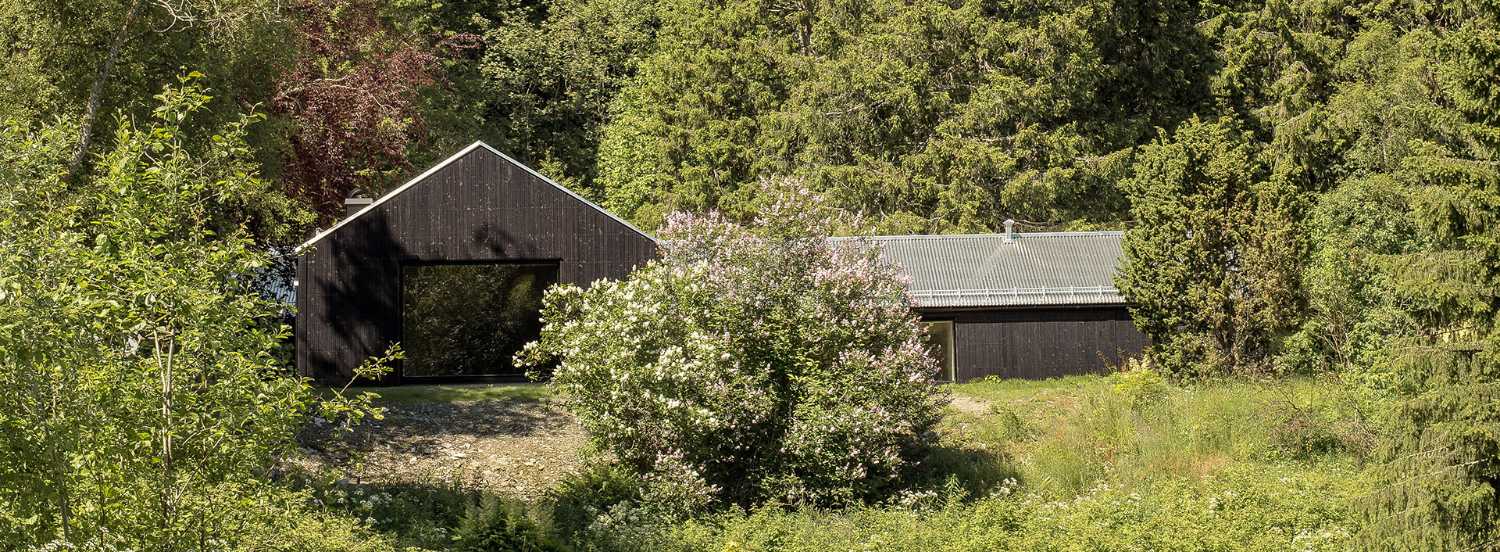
(466, 321)
(939, 336)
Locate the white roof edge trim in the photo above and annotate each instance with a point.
(1017, 235)
(435, 168)
(1072, 290)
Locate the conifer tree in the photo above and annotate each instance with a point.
(1203, 278)
(1443, 460)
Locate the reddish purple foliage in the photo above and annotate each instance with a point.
(353, 99)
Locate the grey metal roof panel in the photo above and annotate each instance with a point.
(984, 270)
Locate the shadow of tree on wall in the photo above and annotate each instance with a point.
(359, 298)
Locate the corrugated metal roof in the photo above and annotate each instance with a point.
(984, 270)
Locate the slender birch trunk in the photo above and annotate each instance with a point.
(96, 92)
(164, 365)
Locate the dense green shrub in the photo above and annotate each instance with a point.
(749, 364)
(1207, 279)
(1353, 312)
(585, 506)
(275, 519)
(1139, 384)
(493, 525)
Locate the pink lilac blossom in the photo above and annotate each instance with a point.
(749, 363)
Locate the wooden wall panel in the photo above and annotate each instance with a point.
(1040, 342)
(479, 207)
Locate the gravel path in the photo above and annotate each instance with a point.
(518, 447)
(970, 405)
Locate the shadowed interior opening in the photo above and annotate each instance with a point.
(468, 320)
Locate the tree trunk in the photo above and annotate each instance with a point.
(59, 460)
(169, 477)
(96, 92)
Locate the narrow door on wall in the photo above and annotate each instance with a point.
(940, 343)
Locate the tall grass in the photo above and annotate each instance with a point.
(1241, 508)
(1104, 463)
(1062, 437)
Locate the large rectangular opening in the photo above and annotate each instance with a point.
(467, 321)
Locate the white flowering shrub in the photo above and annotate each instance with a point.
(748, 365)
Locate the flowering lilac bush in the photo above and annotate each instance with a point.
(748, 365)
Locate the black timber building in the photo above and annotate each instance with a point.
(479, 233)
(452, 265)
(1018, 305)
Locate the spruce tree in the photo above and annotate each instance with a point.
(1443, 458)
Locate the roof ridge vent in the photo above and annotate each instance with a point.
(1010, 230)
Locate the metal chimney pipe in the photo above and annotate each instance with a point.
(1010, 230)
(354, 204)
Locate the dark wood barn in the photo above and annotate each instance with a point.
(451, 265)
(1019, 305)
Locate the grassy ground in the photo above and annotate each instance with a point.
(1079, 463)
(1063, 436)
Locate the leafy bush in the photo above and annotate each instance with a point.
(748, 365)
(1139, 384)
(1353, 310)
(276, 519)
(140, 403)
(493, 525)
(581, 500)
(415, 515)
(1323, 420)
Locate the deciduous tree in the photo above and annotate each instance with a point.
(140, 406)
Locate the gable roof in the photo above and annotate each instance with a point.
(438, 167)
(984, 270)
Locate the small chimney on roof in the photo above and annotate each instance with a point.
(354, 204)
(1010, 230)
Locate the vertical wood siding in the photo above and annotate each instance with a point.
(1040, 342)
(480, 207)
